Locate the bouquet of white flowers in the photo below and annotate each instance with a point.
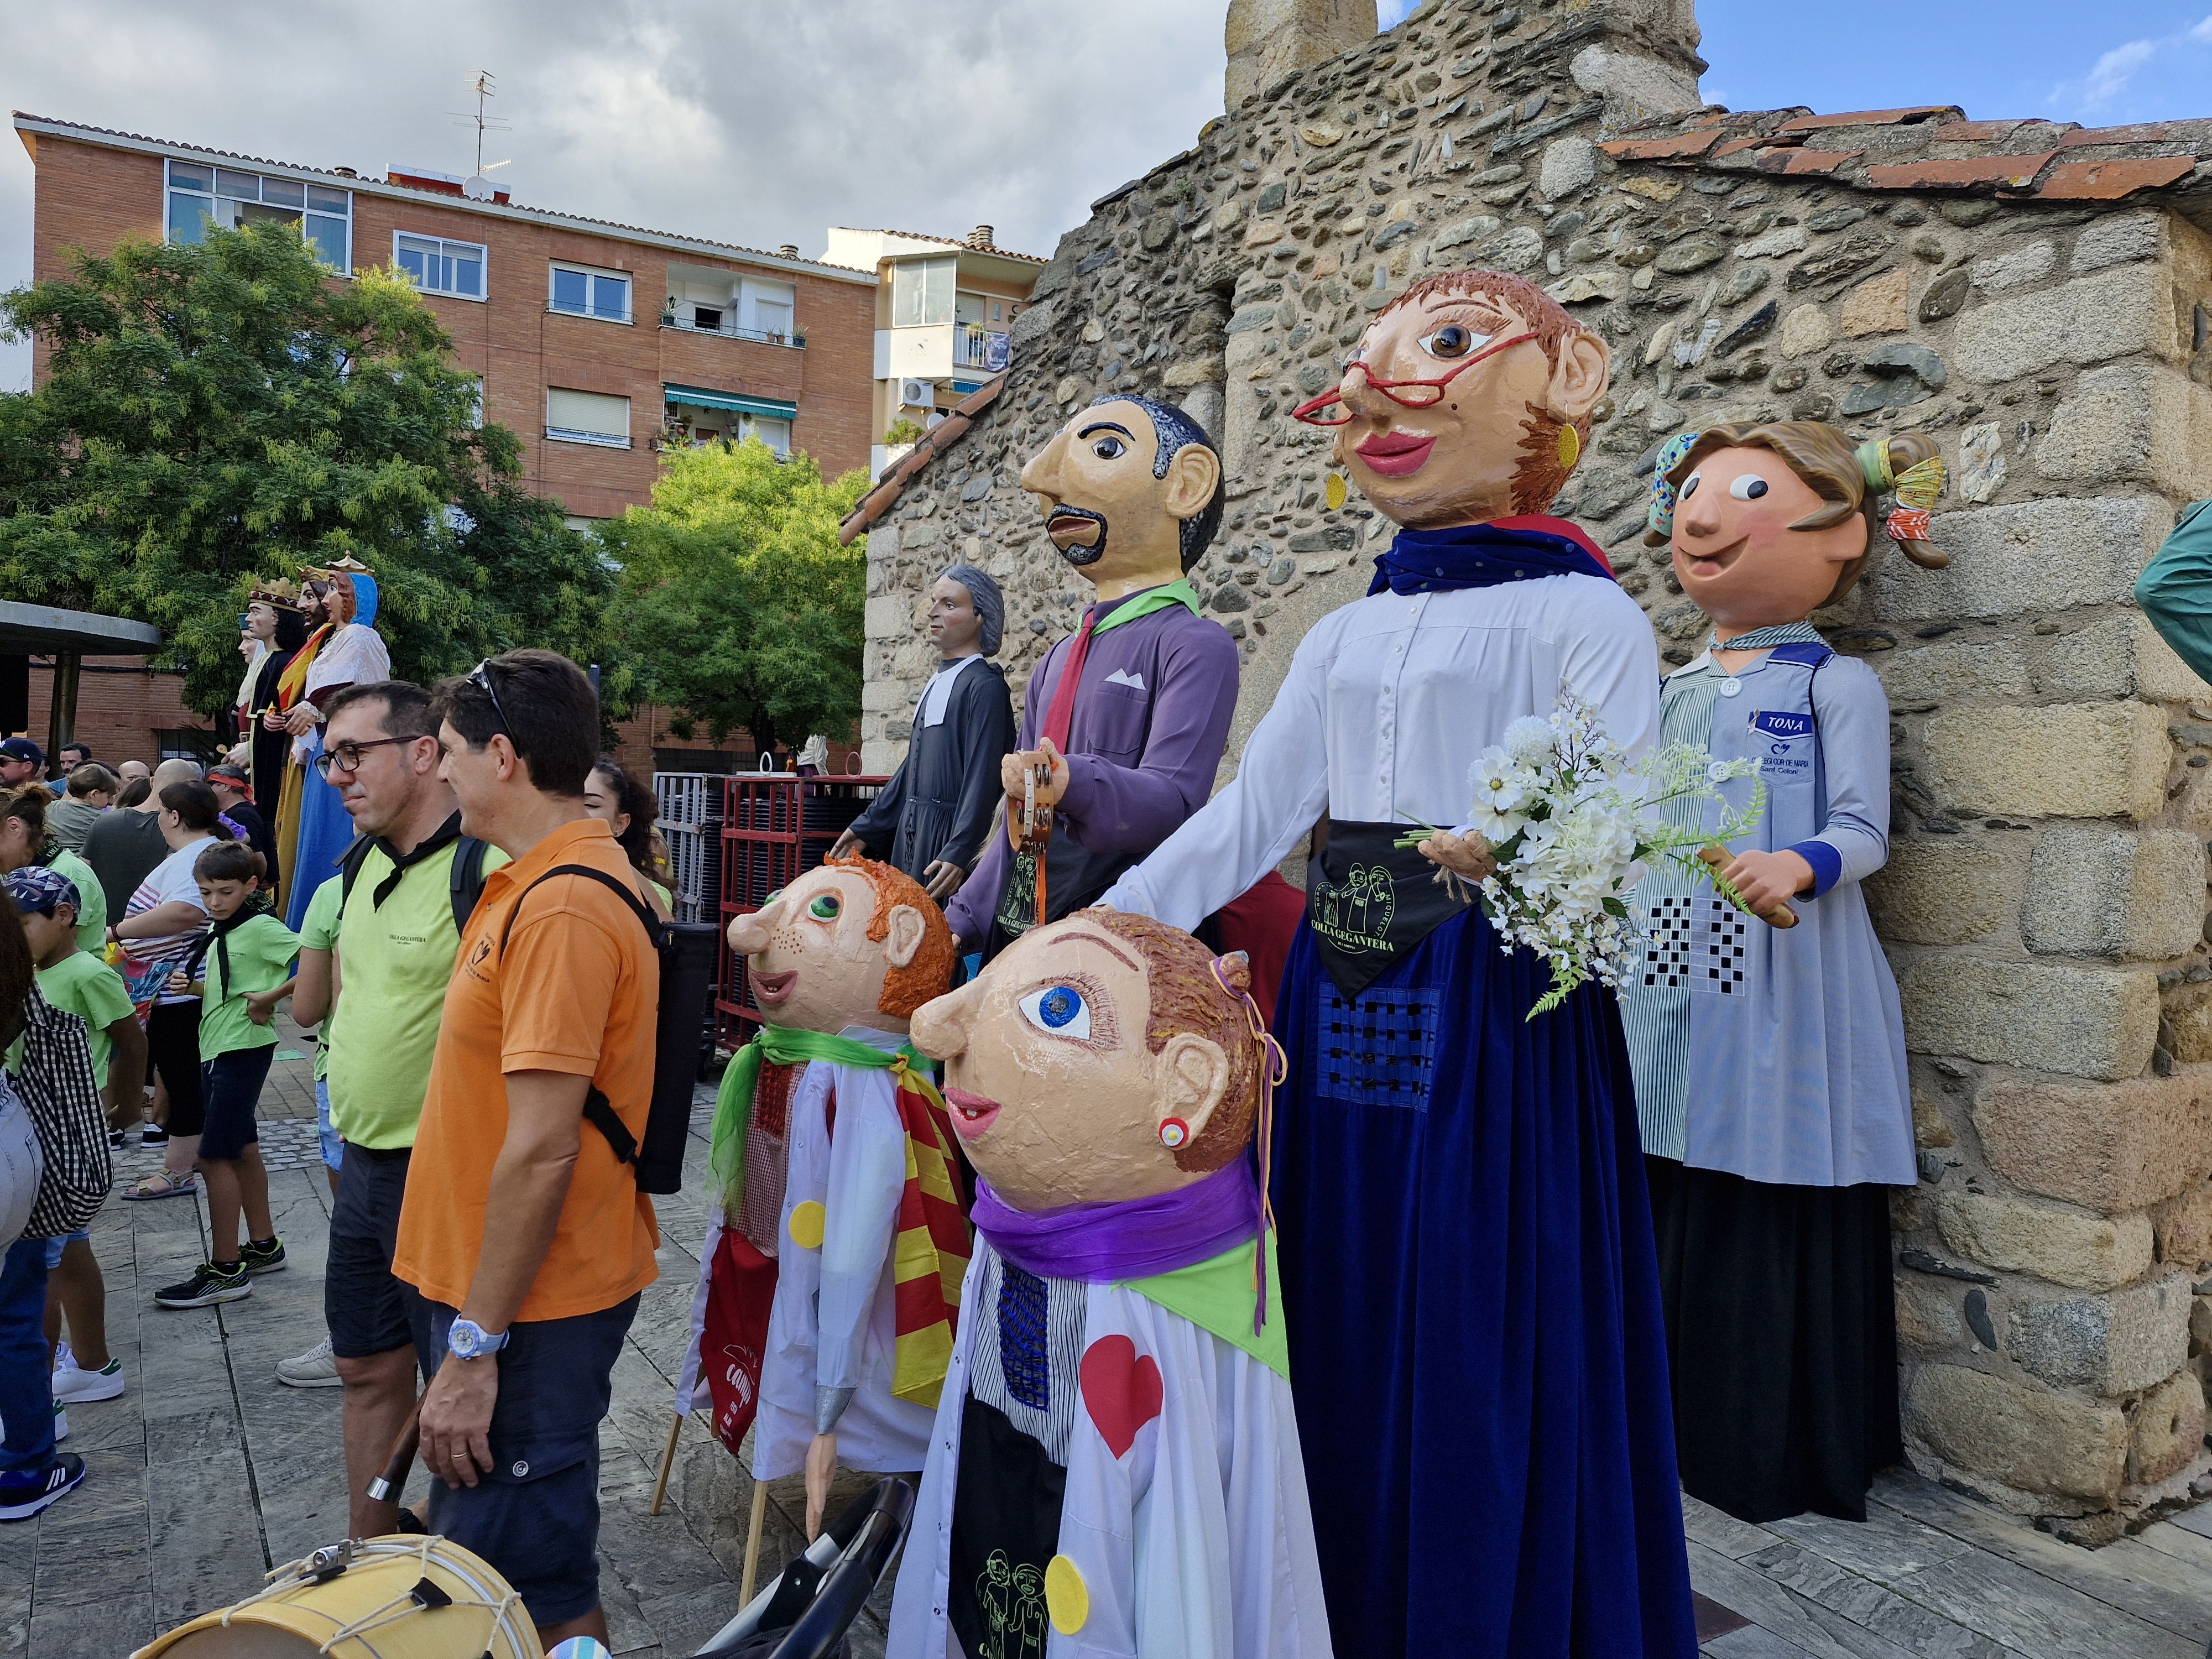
(1571, 823)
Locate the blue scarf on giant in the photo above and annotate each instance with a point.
(1485, 555)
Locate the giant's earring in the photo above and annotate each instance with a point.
(1173, 1133)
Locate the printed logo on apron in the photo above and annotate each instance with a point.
(1355, 914)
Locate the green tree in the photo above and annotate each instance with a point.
(738, 606)
(222, 411)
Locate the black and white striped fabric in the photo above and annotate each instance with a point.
(1026, 1350)
(55, 1079)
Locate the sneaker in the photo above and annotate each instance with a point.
(64, 1357)
(61, 1423)
(117, 1140)
(23, 1494)
(153, 1135)
(315, 1369)
(259, 1258)
(207, 1286)
(77, 1386)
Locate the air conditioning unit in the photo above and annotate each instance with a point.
(917, 394)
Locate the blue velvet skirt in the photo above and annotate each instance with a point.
(1477, 1347)
(325, 832)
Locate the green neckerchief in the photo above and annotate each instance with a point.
(786, 1045)
(1216, 1296)
(1178, 592)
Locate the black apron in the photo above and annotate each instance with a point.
(1370, 902)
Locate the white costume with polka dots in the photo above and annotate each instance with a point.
(1185, 1532)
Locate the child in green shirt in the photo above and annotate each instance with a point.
(246, 971)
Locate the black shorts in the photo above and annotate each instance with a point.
(365, 1308)
(231, 1085)
(172, 1054)
(536, 1517)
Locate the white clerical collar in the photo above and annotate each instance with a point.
(938, 694)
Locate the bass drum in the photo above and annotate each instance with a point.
(398, 1597)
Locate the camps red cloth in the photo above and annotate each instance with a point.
(1261, 922)
(1062, 714)
(740, 1293)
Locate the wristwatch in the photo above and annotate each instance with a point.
(469, 1341)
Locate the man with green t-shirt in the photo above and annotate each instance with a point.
(79, 982)
(395, 946)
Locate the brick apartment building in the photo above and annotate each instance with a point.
(595, 342)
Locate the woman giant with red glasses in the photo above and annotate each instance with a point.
(1469, 1284)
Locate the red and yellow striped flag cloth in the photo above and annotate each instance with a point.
(931, 1247)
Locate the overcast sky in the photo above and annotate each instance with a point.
(764, 121)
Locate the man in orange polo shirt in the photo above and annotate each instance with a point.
(528, 1241)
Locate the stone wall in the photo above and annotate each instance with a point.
(1986, 282)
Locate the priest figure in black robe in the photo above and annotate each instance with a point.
(273, 616)
(933, 819)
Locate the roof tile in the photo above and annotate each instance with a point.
(1735, 144)
(2149, 132)
(1874, 118)
(2014, 171)
(871, 507)
(2107, 181)
(1971, 132)
(1807, 161)
(1681, 148)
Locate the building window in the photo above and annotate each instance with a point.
(200, 196)
(764, 310)
(440, 267)
(588, 417)
(776, 434)
(582, 292)
(921, 293)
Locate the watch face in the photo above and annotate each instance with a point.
(465, 1338)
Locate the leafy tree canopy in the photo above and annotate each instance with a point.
(738, 606)
(224, 411)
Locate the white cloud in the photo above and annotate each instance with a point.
(2110, 77)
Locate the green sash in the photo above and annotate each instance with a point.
(1216, 1296)
(1178, 592)
(786, 1045)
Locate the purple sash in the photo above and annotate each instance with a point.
(1109, 1243)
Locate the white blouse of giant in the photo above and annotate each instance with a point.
(1388, 703)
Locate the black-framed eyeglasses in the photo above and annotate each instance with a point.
(481, 675)
(346, 758)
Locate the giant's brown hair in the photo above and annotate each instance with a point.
(930, 974)
(1186, 996)
(1542, 474)
(1828, 461)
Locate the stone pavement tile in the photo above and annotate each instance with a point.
(283, 1424)
(107, 1425)
(684, 1623)
(303, 1501)
(19, 1550)
(114, 1489)
(627, 1630)
(193, 1437)
(79, 1565)
(207, 1546)
(656, 1555)
(102, 1630)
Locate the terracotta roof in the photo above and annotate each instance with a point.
(879, 499)
(952, 241)
(1929, 146)
(404, 182)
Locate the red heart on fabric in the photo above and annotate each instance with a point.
(1122, 1390)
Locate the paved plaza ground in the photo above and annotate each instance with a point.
(208, 1472)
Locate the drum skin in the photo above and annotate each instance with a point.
(372, 1600)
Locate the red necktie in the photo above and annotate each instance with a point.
(1061, 713)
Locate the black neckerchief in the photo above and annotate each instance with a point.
(447, 834)
(218, 935)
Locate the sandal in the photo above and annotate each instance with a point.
(162, 1184)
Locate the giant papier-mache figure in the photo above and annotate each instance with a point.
(313, 827)
(837, 1168)
(1125, 719)
(1115, 1468)
(1473, 1299)
(1770, 1061)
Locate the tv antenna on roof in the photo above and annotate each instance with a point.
(483, 85)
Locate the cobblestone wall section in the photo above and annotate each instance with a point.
(2044, 908)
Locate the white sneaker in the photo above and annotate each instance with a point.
(63, 1359)
(315, 1369)
(60, 1424)
(73, 1385)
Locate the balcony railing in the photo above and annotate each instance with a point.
(978, 347)
(730, 331)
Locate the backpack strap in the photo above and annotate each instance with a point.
(465, 880)
(598, 1110)
(349, 863)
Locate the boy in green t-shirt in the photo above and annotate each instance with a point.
(79, 982)
(244, 968)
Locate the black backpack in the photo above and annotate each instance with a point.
(685, 954)
(465, 880)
